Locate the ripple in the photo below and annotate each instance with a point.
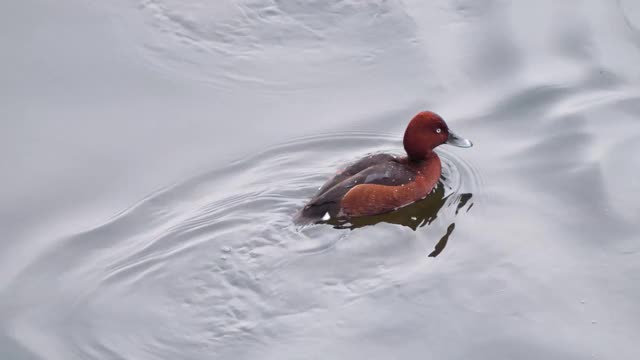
(631, 14)
(227, 42)
(209, 264)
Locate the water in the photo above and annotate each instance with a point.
(156, 151)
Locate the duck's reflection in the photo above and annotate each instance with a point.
(414, 216)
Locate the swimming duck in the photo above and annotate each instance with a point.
(382, 183)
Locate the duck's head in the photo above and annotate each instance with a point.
(426, 131)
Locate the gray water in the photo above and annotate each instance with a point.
(154, 153)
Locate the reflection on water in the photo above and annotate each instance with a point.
(414, 216)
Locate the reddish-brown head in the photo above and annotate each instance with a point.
(426, 131)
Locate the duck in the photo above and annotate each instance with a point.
(382, 183)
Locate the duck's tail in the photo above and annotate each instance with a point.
(316, 212)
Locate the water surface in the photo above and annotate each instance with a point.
(157, 150)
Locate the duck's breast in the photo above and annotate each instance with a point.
(415, 183)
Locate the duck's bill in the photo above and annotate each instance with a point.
(458, 141)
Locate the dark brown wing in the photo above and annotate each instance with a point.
(354, 169)
(388, 170)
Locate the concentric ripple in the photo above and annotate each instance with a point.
(262, 42)
(209, 265)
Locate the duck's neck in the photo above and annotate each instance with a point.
(418, 158)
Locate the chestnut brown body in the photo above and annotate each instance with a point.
(373, 199)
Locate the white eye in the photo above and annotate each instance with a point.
(438, 131)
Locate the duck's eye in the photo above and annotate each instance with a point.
(438, 130)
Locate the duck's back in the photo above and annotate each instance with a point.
(373, 185)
